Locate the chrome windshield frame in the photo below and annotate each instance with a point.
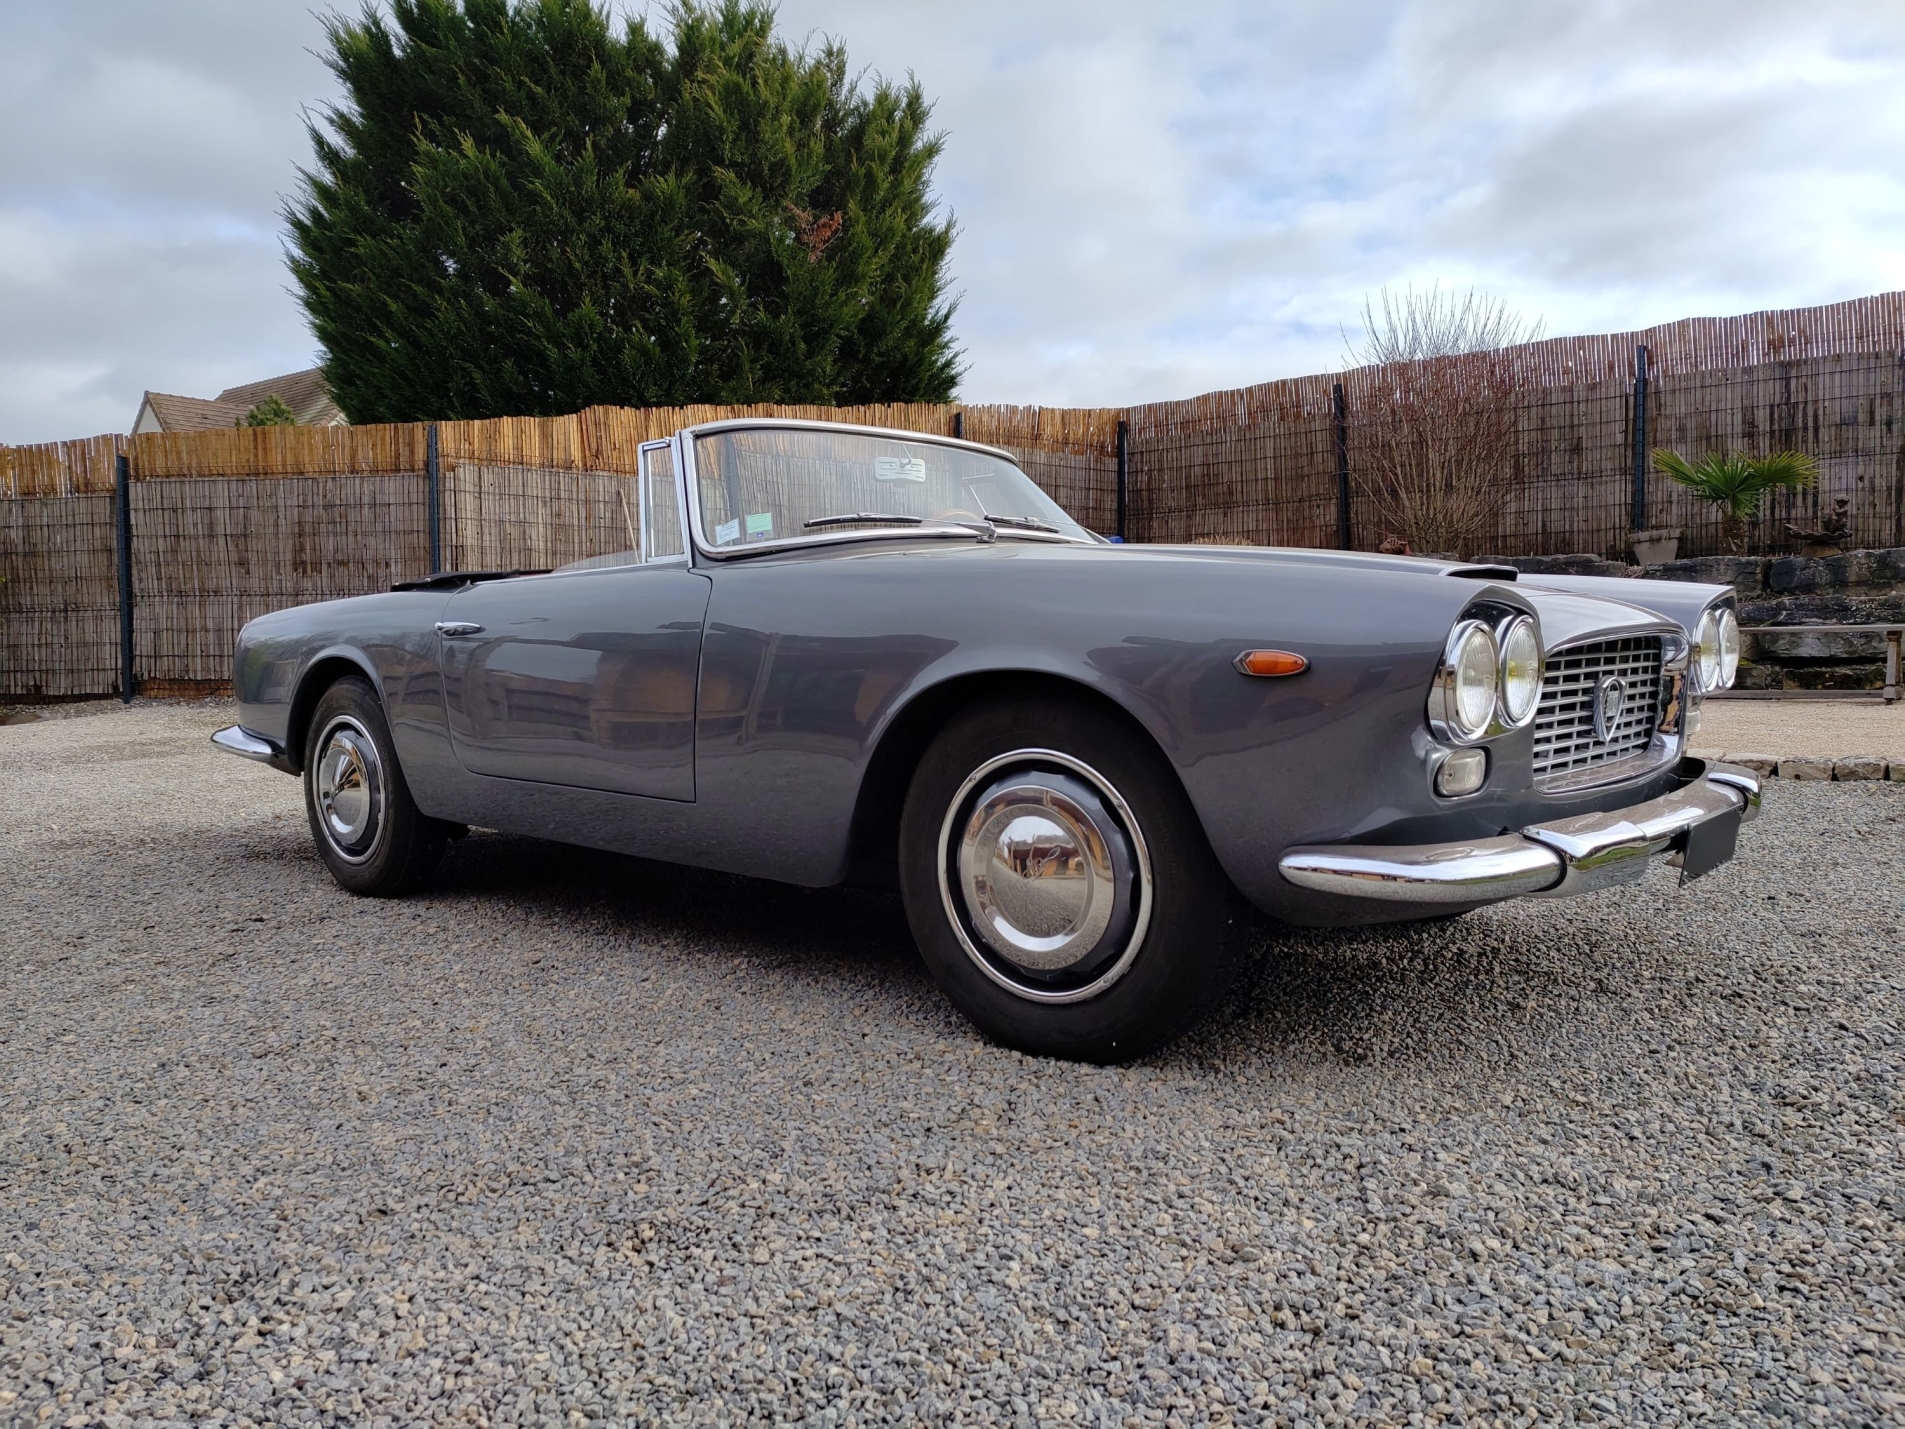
(691, 483)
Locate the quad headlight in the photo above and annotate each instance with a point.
(1490, 679)
(1716, 649)
(1520, 671)
(1729, 649)
(1474, 679)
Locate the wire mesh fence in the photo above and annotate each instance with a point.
(59, 606)
(59, 589)
(210, 553)
(226, 525)
(1845, 410)
(531, 518)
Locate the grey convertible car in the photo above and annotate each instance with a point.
(852, 653)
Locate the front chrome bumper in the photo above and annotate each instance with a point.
(1552, 860)
(235, 739)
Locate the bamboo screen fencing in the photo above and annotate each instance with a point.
(227, 525)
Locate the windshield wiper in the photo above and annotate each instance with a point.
(1022, 523)
(863, 518)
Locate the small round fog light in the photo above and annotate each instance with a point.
(1463, 772)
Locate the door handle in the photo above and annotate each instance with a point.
(452, 628)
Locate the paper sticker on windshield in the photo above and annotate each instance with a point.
(727, 533)
(899, 468)
(760, 525)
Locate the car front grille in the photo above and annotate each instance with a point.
(1566, 748)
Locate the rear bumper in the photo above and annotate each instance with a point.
(1549, 860)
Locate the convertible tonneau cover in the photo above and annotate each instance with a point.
(456, 580)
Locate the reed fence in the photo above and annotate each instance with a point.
(226, 525)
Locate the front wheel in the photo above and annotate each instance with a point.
(1059, 884)
(368, 830)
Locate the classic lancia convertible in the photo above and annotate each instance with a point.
(844, 652)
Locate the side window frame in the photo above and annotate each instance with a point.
(644, 481)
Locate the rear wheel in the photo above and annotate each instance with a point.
(1059, 884)
(368, 830)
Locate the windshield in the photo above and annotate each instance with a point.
(761, 484)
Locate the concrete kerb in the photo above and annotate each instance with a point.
(1819, 768)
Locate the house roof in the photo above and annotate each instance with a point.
(303, 392)
(188, 414)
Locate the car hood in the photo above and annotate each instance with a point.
(1571, 608)
(1300, 556)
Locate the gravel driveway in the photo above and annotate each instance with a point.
(1830, 727)
(576, 1138)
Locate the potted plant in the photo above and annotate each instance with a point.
(1832, 536)
(1736, 483)
(1651, 548)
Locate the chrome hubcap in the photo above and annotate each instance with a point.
(1044, 876)
(348, 784)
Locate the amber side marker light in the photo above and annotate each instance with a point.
(1271, 662)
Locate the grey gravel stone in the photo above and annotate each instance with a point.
(1766, 764)
(1805, 766)
(1859, 766)
(725, 1156)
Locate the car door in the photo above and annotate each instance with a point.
(585, 677)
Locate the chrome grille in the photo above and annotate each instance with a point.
(1564, 723)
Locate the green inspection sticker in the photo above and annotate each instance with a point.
(759, 524)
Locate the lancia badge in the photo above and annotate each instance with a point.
(1609, 696)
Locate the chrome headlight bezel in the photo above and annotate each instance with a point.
(1729, 647)
(1706, 650)
(1470, 653)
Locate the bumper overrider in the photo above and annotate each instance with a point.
(1694, 825)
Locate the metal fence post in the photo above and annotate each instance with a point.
(1339, 414)
(959, 426)
(1640, 440)
(433, 485)
(1124, 474)
(123, 492)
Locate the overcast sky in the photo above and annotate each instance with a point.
(1155, 199)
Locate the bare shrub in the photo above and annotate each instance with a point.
(1435, 449)
(1416, 325)
(1437, 432)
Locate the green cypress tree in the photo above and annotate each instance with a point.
(518, 211)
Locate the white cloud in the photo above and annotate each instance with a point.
(1153, 199)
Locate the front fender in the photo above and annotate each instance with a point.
(284, 661)
(808, 666)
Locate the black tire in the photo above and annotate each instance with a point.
(1087, 780)
(367, 829)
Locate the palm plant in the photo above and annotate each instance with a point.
(1736, 483)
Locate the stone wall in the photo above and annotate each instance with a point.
(1856, 588)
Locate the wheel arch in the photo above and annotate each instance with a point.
(896, 753)
(323, 672)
